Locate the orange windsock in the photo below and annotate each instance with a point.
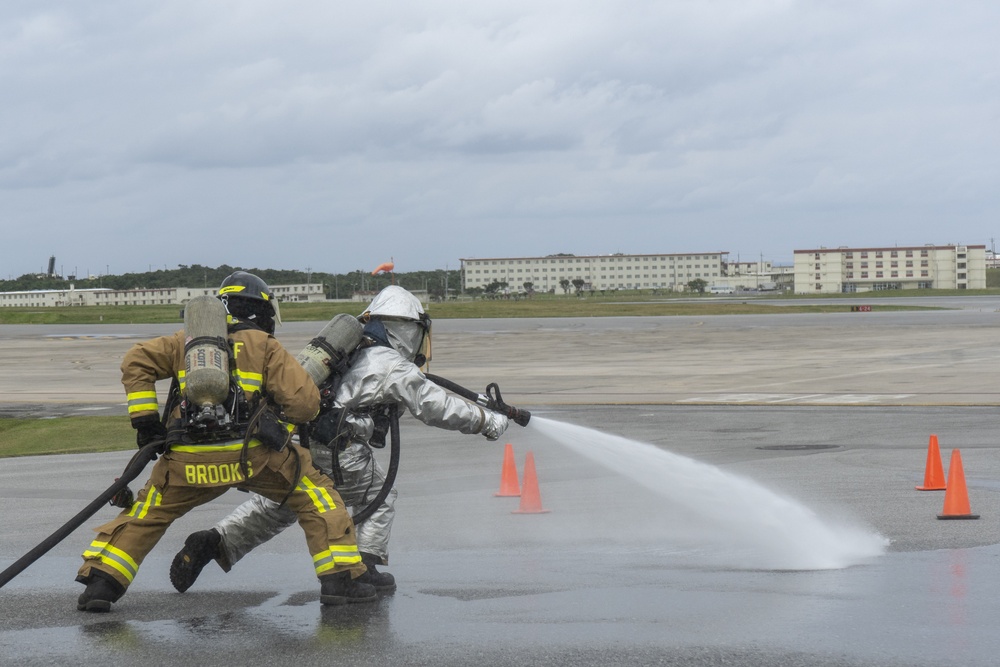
(384, 267)
(956, 497)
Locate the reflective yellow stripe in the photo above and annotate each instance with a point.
(343, 554)
(141, 509)
(139, 401)
(321, 498)
(113, 557)
(250, 382)
(225, 447)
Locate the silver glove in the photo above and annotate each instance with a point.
(494, 424)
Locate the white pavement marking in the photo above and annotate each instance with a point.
(788, 398)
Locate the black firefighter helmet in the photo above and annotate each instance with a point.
(248, 298)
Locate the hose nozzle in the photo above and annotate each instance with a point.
(495, 402)
(491, 399)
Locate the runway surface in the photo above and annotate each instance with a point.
(705, 444)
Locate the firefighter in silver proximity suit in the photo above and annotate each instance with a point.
(386, 372)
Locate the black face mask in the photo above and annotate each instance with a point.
(251, 311)
(375, 330)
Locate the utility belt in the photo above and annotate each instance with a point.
(204, 447)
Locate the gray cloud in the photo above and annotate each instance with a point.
(333, 136)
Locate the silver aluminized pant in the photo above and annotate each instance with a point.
(259, 519)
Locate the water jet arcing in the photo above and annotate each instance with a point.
(745, 524)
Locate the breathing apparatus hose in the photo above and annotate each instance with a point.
(132, 470)
(390, 474)
(491, 400)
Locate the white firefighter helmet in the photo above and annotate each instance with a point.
(406, 323)
(395, 302)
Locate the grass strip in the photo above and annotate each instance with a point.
(65, 435)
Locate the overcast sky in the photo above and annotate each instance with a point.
(333, 136)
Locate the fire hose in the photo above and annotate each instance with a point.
(132, 470)
(491, 400)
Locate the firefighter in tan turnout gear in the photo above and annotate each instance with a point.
(384, 373)
(243, 441)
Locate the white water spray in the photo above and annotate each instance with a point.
(739, 523)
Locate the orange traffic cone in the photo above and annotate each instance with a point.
(508, 476)
(531, 500)
(956, 498)
(933, 473)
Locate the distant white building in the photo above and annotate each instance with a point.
(992, 260)
(669, 271)
(142, 297)
(846, 270)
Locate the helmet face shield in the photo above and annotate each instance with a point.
(277, 311)
(411, 339)
(424, 352)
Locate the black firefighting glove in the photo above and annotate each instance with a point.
(123, 498)
(150, 429)
(326, 429)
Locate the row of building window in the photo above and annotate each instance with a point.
(577, 260)
(893, 265)
(665, 275)
(141, 302)
(892, 274)
(627, 268)
(878, 253)
(138, 297)
(696, 274)
(879, 274)
(852, 287)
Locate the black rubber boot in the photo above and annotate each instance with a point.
(382, 581)
(199, 549)
(339, 588)
(101, 591)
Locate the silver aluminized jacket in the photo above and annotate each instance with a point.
(377, 376)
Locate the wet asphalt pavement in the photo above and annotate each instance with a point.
(597, 579)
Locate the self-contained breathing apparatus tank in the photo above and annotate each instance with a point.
(206, 365)
(326, 358)
(329, 351)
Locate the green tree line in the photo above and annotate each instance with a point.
(336, 285)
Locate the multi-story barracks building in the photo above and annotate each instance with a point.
(141, 297)
(663, 271)
(847, 270)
